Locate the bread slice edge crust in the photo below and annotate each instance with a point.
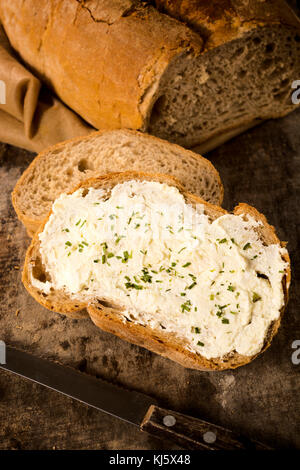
(32, 224)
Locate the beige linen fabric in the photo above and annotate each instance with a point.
(31, 117)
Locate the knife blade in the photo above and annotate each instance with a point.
(131, 406)
(125, 404)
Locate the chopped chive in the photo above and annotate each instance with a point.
(224, 240)
(192, 285)
(187, 264)
(231, 288)
(225, 320)
(186, 306)
(248, 245)
(132, 285)
(146, 276)
(68, 243)
(96, 260)
(200, 343)
(78, 222)
(126, 256)
(196, 329)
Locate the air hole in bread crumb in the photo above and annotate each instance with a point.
(85, 192)
(262, 276)
(107, 304)
(257, 41)
(238, 53)
(84, 165)
(38, 271)
(242, 73)
(156, 110)
(270, 47)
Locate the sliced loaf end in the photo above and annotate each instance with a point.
(210, 98)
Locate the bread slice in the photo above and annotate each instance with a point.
(195, 73)
(110, 315)
(60, 168)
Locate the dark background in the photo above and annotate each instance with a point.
(260, 167)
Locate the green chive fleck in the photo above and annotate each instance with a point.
(186, 265)
(255, 297)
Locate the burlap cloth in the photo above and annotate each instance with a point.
(31, 117)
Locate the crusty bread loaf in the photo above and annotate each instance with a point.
(109, 315)
(60, 168)
(193, 72)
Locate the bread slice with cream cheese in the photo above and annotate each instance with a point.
(162, 268)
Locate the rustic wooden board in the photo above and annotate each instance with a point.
(261, 400)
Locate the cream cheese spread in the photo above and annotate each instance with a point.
(213, 284)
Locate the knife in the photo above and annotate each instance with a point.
(134, 407)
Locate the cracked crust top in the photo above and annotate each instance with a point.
(114, 32)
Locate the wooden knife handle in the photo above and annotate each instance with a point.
(192, 433)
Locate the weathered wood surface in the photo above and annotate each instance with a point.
(260, 400)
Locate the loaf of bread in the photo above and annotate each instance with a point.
(162, 268)
(192, 72)
(61, 167)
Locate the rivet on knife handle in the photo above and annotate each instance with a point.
(192, 433)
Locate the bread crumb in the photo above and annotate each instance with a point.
(17, 267)
(17, 311)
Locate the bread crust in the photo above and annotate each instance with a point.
(32, 224)
(49, 35)
(221, 21)
(108, 316)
